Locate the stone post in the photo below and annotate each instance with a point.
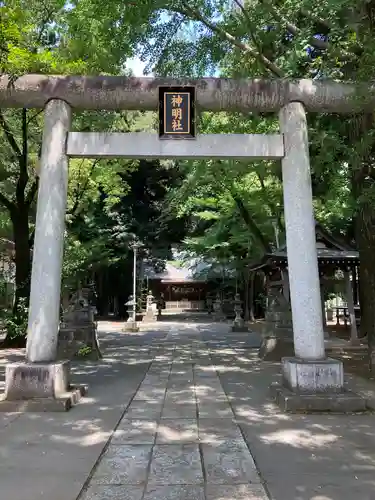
(42, 378)
(350, 301)
(310, 374)
(324, 318)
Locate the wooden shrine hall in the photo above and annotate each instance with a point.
(179, 289)
(338, 265)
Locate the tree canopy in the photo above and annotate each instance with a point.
(228, 211)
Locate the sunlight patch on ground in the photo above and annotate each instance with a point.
(168, 435)
(225, 369)
(271, 417)
(299, 438)
(88, 440)
(359, 455)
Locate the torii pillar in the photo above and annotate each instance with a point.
(42, 383)
(311, 381)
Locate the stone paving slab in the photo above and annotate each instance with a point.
(216, 431)
(177, 431)
(144, 410)
(132, 431)
(214, 410)
(236, 492)
(186, 410)
(125, 464)
(119, 492)
(229, 462)
(176, 464)
(181, 492)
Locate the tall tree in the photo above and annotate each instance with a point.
(261, 38)
(41, 37)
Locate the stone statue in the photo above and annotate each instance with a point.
(278, 327)
(278, 313)
(78, 328)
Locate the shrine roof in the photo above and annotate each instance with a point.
(330, 250)
(174, 274)
(323, 254)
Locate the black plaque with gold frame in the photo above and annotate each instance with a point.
(177, 112)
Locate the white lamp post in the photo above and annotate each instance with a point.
(131, 324)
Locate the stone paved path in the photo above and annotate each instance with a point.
(177, 439)
(181, 411)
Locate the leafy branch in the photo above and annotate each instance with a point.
(225, 35)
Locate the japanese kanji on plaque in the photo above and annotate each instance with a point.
(177, 112)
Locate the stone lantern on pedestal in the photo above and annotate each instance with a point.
(238, 323)
(131, 323)
(150, 308)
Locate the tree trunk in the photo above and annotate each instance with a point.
(251, 297)
(22, 254)
(246, 303)
(363, 191)
(366, 247)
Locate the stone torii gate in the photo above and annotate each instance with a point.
(310, 380)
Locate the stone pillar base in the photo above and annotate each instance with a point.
(39, 387)
(324, 375)
(315, 386)
(292, 402)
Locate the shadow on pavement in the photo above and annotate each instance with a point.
(210, 391)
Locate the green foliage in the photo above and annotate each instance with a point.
(84, 351)
(15, 321)
(53, 37)
(251, 39)
(227, 200)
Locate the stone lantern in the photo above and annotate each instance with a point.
(238, 323)
(150, 308)
(131, 323)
